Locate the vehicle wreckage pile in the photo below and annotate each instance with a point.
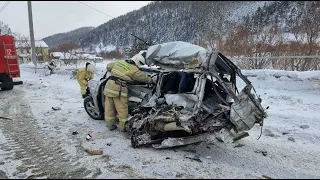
(195, 96)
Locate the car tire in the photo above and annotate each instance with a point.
(90, 109)
(8, 81)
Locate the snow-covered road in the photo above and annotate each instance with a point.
(37, 141)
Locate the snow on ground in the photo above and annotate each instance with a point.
(291, 133)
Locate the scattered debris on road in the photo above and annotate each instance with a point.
(56, 108)
(196, 158)
(265, 153)
(267, 177)
(304, 126)
(291, 139)
(88, 137)
(239, 145)
(94, 152)
(5, 118)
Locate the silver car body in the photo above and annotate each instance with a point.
(192, 112)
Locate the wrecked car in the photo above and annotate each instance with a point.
(195, 96)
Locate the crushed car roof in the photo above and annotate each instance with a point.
(183, 55)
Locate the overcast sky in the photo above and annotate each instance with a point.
(51, 17)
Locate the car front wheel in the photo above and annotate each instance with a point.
(91, 110)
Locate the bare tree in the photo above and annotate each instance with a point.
(5, 29)
(255, 41)
(238, 42)
(22, 42)
(66, 48)
(307, 33)
(251, 42)
(218, 26)
(263, 42)
(112, 54)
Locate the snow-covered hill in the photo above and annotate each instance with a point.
(238, 11)
(54, 40)
(164, 21)
(190, 21)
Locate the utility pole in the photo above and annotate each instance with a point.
(33, 49)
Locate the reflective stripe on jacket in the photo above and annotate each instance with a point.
(124, 71)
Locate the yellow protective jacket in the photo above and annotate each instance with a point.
(83, 76)
(51, 66)
(126, 72)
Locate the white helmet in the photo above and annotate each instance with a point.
(91, 68)
(138, 59)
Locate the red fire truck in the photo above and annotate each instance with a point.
(9, 64)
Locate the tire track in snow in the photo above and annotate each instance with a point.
(41, 156)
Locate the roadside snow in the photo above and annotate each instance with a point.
(291, 133)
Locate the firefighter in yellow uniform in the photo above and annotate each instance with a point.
(116, 91)
(83, 76)
(51, 66)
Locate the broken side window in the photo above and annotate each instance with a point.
(178, 82)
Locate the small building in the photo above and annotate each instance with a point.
(24, 57)
(56, 55)
(90, 57)
(41, 48)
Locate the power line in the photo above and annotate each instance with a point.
(4, 6)
(95, 9)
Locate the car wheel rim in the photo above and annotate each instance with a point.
(92, 110)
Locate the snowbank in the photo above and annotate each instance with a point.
(285, 80)
(282, 73)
